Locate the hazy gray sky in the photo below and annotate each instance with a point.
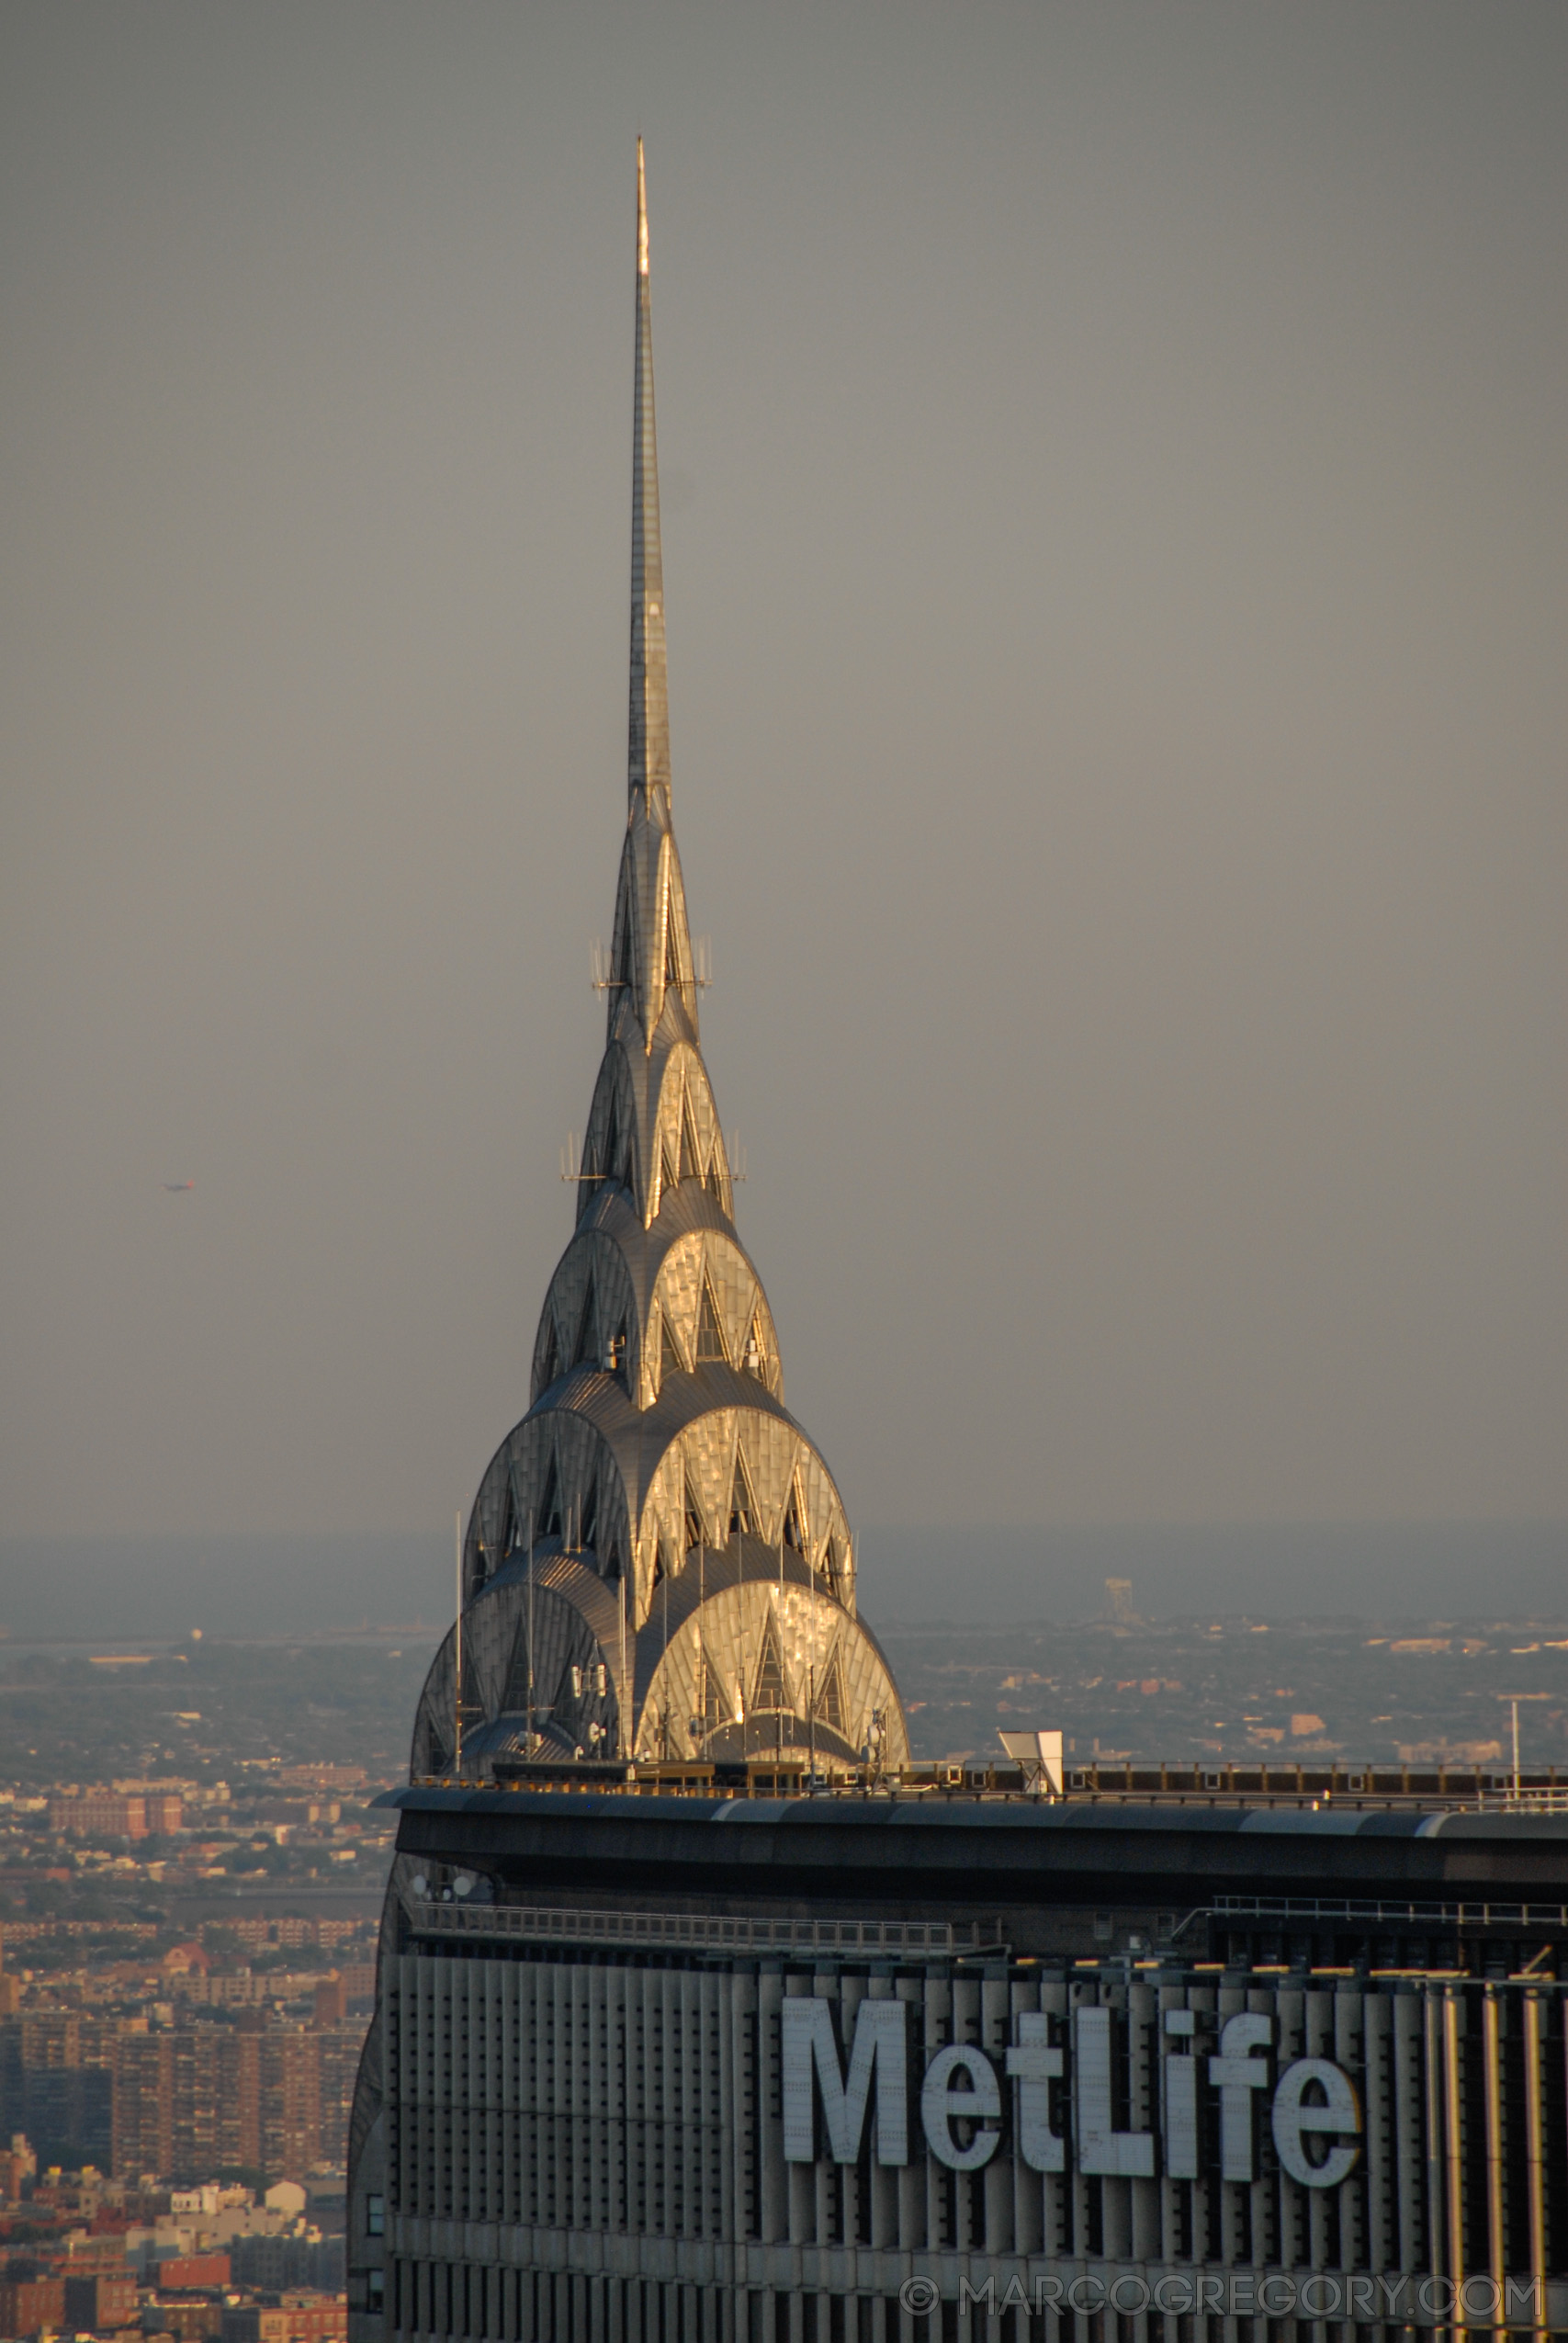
(1115, 538)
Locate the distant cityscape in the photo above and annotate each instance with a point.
(191, 1874)
(180, 2028)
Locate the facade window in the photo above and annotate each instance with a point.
(710, 1334)
(375, 2216)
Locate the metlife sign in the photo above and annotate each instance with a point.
(1316, 2146)
(1221, 2103)
(1056, 2098)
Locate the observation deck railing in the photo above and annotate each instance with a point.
(535, 1923)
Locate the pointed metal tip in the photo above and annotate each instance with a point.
(641, 213)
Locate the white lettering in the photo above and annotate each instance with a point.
(1240, 2077)
(1338, 2110)
(1129, 2155)
(1034, 2064)
(1328, 2302)
(1180, 2110)
(944, 2104)
(810, 2071)
(1522, 2303)
(1480, 2300)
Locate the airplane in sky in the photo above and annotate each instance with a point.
(179, 1187)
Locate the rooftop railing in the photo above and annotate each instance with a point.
(534, 1923)
(1393, 1913)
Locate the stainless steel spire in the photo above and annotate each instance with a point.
(648, 759)
(653, 986)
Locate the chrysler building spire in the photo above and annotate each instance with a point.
(653, 991)
(658, 1562)
(649, 761)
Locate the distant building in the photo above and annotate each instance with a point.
(95, 2305)
(1119, 1602)
(18, 2164)
(330, 2001)
(208, 2098)
(183, 2271)
(298, 2318)
(114, 1814)
(29, 2305)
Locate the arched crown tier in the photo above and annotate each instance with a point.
(652, 978)
(581, 1475)
(697, 1302)
(653, 1125)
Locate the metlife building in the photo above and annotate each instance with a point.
(753, 2070)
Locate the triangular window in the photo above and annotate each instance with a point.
(515, 1699)
(438, 1756)
(755, 1360)
(588, 1518)
(552, 1354)
(714, 1183)
(672, 959)
(660, 1572)
(586, 1346)
(568, 1695)
(661, 1350)
(742, 1513)
(691, 1162)
(835, 1560)
(768, 1690)
(624, 949)
(829, 1703)
(613, 1561)
(794, 1523)
(694, 1531)
(508, 1537)
(670, 1162)
(548, 1515)
(710, 1333)
(715, 1705)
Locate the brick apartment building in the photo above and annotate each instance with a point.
(95, 2303)
(27, 2304)
(188, 2098)
(203, 2098)
(115, 1813)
